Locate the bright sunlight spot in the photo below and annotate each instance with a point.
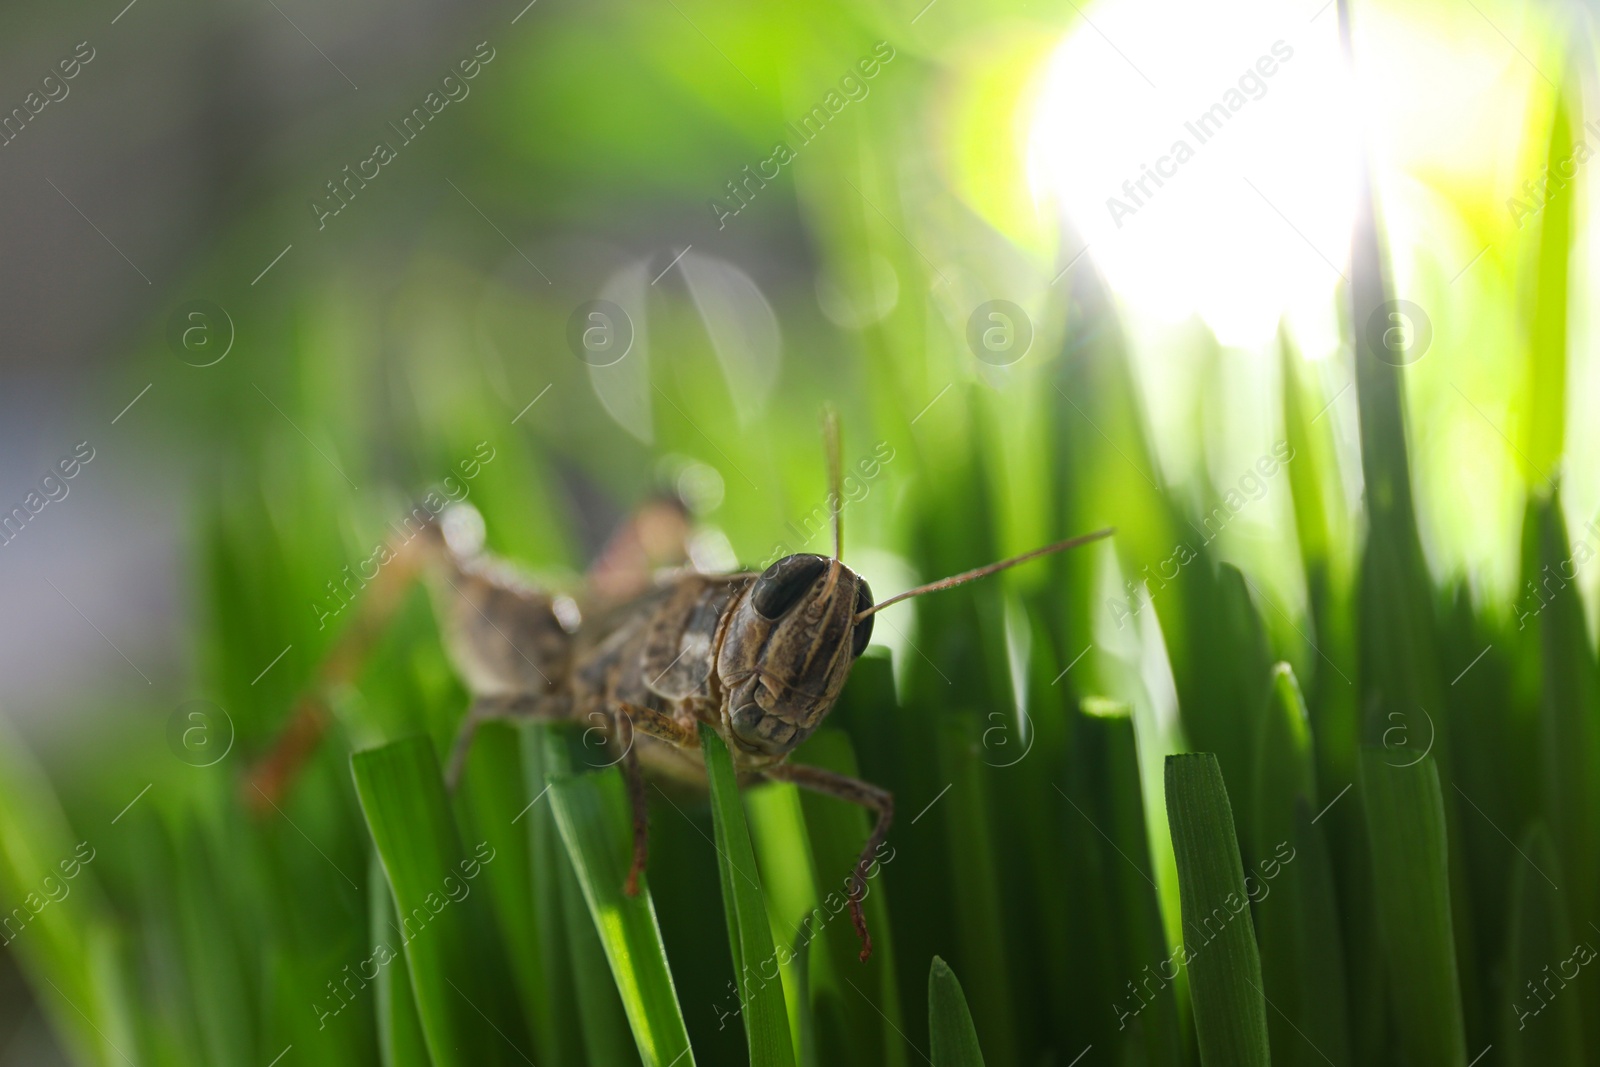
(1211, 166)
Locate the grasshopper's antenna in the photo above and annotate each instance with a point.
(830, 441)
(984, 572)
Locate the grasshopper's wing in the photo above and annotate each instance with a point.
(676, 656)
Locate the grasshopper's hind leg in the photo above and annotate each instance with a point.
(875, 799)
(523, 706)
(269, 778)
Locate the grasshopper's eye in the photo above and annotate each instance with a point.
(863, 632)
(781, 584)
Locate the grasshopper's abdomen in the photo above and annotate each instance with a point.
(502, 633)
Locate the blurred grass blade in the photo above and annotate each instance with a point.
(212, 960)
(976, 879)
(1297, 935)
(1324, 1018)
(591, 1022)
(493, 792)
(1224, 683)
(1309, 453)
(1547, 349)
(1383, 332)
(1322, 529)
(1396, 605)
(1568, 686)
(1285, 771)
(452, 961)
(1544, 1028)
(563, 1042)
(860, 1025)
(766, 1017)
(1397, 662)
(1224, 969)
(805, 1018)
(400, 1037)
(1106, 814)
(952, 1038)
(1569, 733)
(67, 948)
(600, 1011)
(597, 827)
(1405, 820)
(778, 834)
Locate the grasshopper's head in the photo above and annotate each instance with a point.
(787, 650)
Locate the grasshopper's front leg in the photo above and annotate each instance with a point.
(875, 799)
(550, 707)
(628, 718)
(633, 775)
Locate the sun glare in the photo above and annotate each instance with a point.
(1206, 154)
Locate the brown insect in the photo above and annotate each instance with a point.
(760, 657)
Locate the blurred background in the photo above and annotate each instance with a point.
(272, 270)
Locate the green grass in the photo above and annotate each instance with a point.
(1391, 766)
(766, 1019)
(953, 1042)
(1230, 1011)
(598, 831)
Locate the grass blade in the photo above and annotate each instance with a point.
(1545, 1024)
(805, 1019)
(952, 1038)
(591, 1023)
(1285, 771)
(494, 799)
(1105, 810)
(593, 815)
(778, 834)
(1405, 820)
(1225, 968)
(1310, 455)
(766, 1018)
(1569, 735)
(601, 1015)
(864, 1024)
(1396, 606)
(1547, 355)
(563, 1042)
(400, 1037)
(67, 949)
(976, 880)
(1324, 1021)
(1298, 943)
(212, 960)
(455, 967)
(1224, 683)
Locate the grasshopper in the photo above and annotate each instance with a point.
(648, 655)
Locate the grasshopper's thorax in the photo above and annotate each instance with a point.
(785, 650)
